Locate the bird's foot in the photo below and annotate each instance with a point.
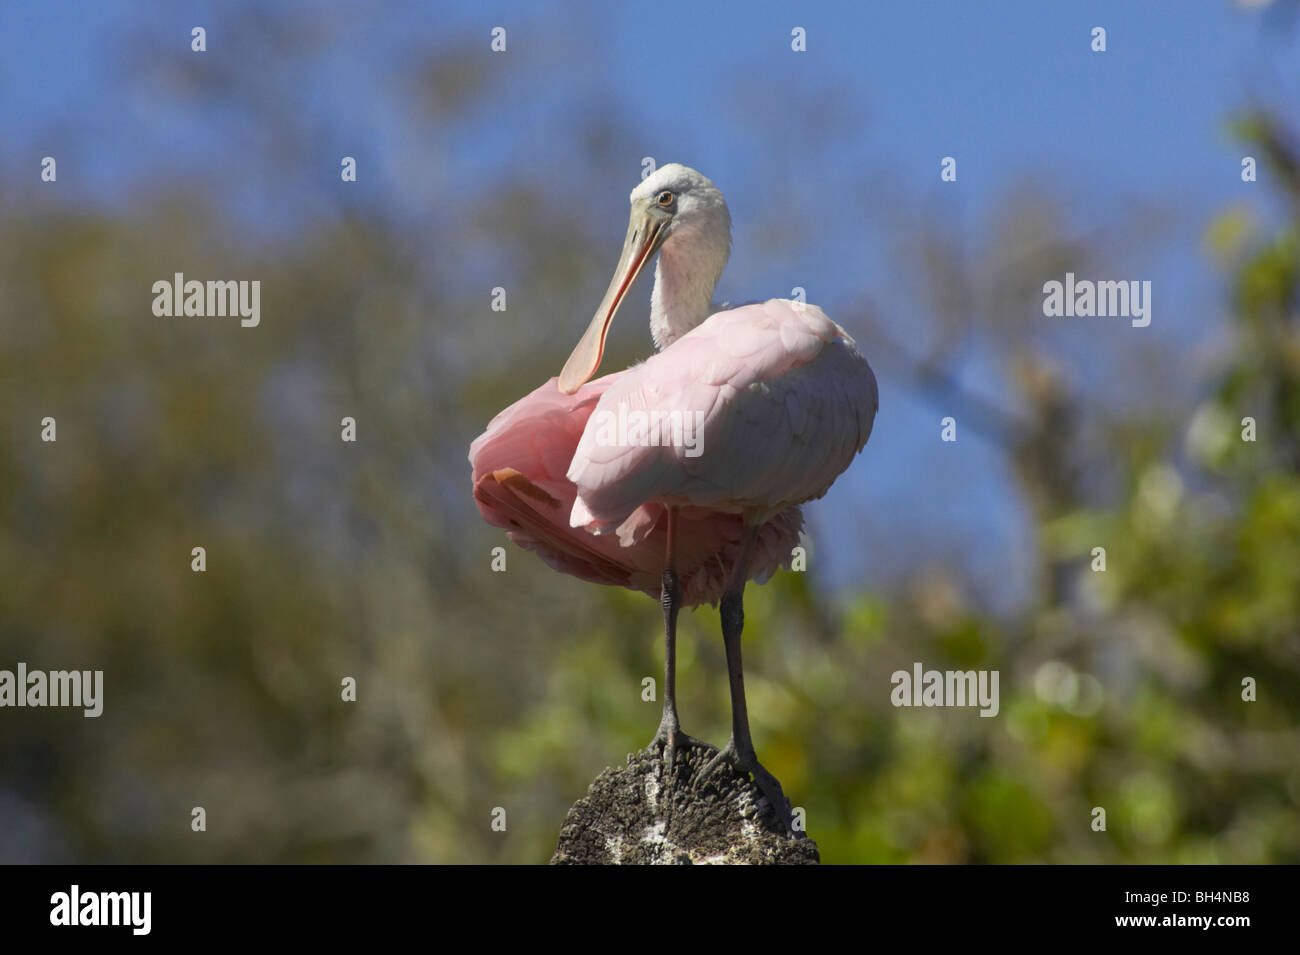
(669, 740)
(731, 757)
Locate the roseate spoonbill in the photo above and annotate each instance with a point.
(783, 401)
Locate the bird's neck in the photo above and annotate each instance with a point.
(685, 278)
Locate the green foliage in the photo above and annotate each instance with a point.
(1120, 690)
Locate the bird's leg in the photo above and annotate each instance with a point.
(669, 735)
(739, 751)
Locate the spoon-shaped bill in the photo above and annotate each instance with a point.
(645, 233)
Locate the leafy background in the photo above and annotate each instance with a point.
(1119, 689)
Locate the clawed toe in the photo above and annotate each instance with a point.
(670, 740)
(727, 758)
(730, 758)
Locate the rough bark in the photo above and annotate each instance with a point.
(632, 816)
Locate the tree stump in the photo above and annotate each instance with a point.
(631, 816)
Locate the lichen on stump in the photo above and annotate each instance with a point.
(631, 817)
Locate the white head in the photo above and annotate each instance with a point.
(682, 215)
(697, 213)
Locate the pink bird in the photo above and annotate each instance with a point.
(682, 476)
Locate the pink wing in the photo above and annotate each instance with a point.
(519, 466)
(785, 400)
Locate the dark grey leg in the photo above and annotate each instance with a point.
(669, 734)
(739, 751)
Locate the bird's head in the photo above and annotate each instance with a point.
(675, 209)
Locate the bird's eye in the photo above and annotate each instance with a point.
(666, 198)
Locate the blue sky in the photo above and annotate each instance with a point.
(886, 88)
